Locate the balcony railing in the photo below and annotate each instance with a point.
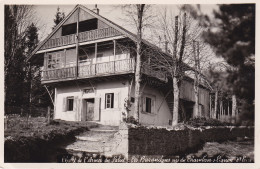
(62, 73)
(83, 37)
(61, 41)
(91, 70)
(98, 34)
(101, 69)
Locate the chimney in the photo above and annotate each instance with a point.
(96, 10)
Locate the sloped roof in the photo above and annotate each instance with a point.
(105, 20)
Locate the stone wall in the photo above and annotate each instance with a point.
(144, 141)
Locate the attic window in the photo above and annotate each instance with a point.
(88, 25)
(69, 29)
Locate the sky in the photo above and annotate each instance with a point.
(45, 14)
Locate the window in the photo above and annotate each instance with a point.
(54, 60)
(88, 25)
(148, 103)
(69, 29)
(132, 99)
(109, 100)
(70, 101)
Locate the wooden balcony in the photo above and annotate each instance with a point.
(91, 70)
(56, 74)
(99, 69)
(83, 37)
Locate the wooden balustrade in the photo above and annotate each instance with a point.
(61, 41)
(98, 34)
(62, 73)
(99, 69)
(113, 67)
(83, 36)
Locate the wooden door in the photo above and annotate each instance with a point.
(89, 109)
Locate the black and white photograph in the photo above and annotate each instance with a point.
(129, 83)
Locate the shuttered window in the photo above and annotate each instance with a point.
(148, 104)
(109, 100)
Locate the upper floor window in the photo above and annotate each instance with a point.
(148, 103)
(86, 25)
(54, 60)
(69, 29)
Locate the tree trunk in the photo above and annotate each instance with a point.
(196, 80)
(216, 104)
(49, 115)
(196, 97)
(137, 84)
(210, 106)
(140, 9)
(234, 108)
(176, 96)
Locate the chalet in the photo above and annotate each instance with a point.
(90, 62)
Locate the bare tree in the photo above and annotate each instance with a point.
(17, 19)
(179, 60)
(138, 14)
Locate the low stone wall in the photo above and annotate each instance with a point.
(144, 141)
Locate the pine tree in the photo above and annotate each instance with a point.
(59, 16)
(234, 40)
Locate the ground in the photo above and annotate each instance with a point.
(22, 133)
(231, 150)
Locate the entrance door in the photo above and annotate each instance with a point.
(89, 109)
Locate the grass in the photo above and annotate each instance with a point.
(34, 140)
(18, 127)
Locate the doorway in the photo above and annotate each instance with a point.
(88, 109)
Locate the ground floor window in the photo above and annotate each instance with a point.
(148, 105)
(109, 100)
(70, 101)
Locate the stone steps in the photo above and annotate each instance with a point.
(98, 140)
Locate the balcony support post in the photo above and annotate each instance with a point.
(114, 42)
(95, 57)
(77, 45)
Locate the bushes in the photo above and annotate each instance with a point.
(202, 121)
(131, 120)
